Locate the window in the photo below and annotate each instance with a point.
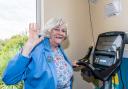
(15, 15)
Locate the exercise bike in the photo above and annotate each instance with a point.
(106, 58)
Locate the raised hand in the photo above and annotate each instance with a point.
(34, 31)
(33, 39)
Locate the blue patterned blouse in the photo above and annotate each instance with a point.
(63, 70)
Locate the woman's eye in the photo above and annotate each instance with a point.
(63, 30)
(57, 29)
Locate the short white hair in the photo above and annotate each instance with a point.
(54, 22)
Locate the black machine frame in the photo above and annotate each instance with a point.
(101, 71)
(108, 52)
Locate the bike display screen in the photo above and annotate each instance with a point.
(108, 43)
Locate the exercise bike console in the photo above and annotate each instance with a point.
(107, 55)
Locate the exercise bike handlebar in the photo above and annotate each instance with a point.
(102, 74)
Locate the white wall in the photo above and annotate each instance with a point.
(102, 23)
(76, 15)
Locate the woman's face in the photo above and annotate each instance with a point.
(57, 35)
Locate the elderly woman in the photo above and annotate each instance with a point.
(42, 63)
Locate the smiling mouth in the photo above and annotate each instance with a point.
(59, 37)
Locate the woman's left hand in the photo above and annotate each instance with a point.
(74, 63)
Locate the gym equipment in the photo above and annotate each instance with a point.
(107, 56)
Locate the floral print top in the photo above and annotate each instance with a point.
(63, 70)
